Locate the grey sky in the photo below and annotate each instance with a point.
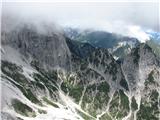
(83, 14)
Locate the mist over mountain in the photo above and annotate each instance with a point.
(77, 75)
(53, 72)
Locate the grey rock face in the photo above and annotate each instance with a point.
(49, 49)
(137, 65)
(100, 87)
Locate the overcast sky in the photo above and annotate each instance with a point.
(102, 15)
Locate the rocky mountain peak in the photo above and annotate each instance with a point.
(49, 48)
(68, 79)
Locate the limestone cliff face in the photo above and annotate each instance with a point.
(49, 48)
(141, 69)
(137, 65)
(58, 78)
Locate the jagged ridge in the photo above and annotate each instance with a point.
(95, 86)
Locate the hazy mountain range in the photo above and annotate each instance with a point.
(78, 75)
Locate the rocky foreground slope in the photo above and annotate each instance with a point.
(50, 77)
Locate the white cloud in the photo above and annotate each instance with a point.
(126, 18)
(144, 14)
(136, 31)
(118, 27)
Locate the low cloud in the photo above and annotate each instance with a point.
(127, 18)
(136, 31)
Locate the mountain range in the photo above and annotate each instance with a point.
(78, 75)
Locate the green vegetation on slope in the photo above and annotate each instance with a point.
(15, 72)
(150, 79)
(50, 102)
(124, 84)
(105, 117)
(22, 108)
(119, 106)
(149, 109)
(95, 97)
(74, 91)
(134, 104)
